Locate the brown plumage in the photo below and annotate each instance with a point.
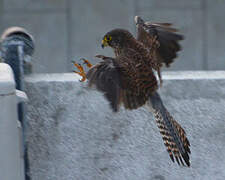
(173, 134)
(129, 77)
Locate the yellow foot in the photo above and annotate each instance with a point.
(85, 61)
(81, 69)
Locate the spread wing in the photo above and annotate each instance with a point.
(106, 78)
(166, 36)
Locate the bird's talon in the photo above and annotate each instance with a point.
(83, 79)
(86, 62)
(81, 69)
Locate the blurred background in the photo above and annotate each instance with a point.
(66, 30)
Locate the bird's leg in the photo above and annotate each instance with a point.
(85, 61)
(160, 77)
(81, 69)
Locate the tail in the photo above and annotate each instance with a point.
(173, 134)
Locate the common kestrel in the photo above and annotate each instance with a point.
(129, 79)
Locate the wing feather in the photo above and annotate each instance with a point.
(106, 78)
(166, 36)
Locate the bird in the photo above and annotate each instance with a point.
(129, 78)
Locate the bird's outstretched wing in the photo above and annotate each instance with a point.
(106, 78)
(166, 36)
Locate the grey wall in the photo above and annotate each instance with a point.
(73, 135)
(71, 29)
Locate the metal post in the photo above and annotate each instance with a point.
(17, 47)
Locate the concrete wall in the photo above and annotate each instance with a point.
(71, 29)
(72, 133)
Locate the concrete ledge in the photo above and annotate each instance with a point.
(7, 85)
(72, 133)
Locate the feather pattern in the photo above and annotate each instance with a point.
(173, 134)
(109, 76)
(129, 78)
(105, 76)
(166, 36)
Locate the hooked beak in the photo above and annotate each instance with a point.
(104, 43)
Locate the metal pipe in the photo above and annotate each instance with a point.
(17, 47)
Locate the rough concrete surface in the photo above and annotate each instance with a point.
(73, 135)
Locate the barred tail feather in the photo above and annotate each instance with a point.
(173, 134)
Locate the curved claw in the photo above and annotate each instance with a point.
(83, 79)
(81, 69)
(82, 59)
(73, 62)
(85, 61)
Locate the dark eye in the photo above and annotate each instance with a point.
(108, 38)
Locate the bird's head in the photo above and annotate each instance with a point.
(116, 38)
